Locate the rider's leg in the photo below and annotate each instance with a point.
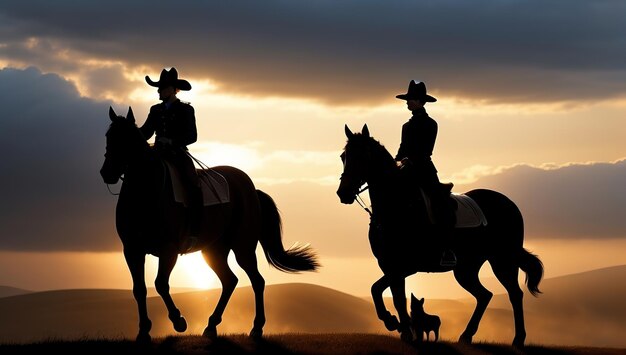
(194, 198)
(444, 215)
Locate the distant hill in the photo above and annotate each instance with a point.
(585, 309)
(580, 308)
(6, 291)
(72, 314)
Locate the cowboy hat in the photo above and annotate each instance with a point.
(416, 91)
(169, 78)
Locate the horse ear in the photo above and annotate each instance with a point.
(413, 298)
(130, 116)
(112, 114)
(349, 133)
(421, 300)
(365, 131)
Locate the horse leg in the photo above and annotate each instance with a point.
(507, 275)
(136, 265)
(218, 261)
(467, 277)
(166, 264)
(391, 322)
(399, 302)
(247, 261)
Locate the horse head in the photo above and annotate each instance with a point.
(123, 139)
(365, 160)
(355, 168)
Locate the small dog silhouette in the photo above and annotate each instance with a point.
(421, 322)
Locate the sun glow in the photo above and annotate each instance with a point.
(216, 153)
(192, 271)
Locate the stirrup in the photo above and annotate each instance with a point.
(448, 258)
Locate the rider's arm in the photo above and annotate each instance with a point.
(148, 128)
(405, 139)
(189, 132)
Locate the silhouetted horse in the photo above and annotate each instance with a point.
(149, 221)
(404, 242)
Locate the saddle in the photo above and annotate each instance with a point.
(214, 186)
(467, 213)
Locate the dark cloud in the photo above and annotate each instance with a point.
(350, 51)
(53, 143)
(577, 201)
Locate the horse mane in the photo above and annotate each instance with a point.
(383, 170)
(378, 149)
(130, 126)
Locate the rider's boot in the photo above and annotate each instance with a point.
(448, 258)
(446, 221)
(194, 217)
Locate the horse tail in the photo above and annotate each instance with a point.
(295, 259)
(533, 267)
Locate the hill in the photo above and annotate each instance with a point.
(74, 314)
(584, 309)
(576, 310)
(6, 291)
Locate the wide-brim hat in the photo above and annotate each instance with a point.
(416, 91)
(169, 78)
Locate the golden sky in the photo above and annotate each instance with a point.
(534, 111)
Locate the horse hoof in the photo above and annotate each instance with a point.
(465, 339)
(180, 325)
(256, 334)
(519, 344)
(143, 338)
(392, 323)
(210, 333)
(406, 336)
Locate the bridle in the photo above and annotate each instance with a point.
(359, 200)
(359, 190)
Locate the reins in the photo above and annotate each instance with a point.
(360, 201)
(111, 192)
(204, 180)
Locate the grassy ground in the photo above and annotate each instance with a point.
(278, 344)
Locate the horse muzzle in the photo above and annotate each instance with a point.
(108, 178)
(346, 197)
(111, 181)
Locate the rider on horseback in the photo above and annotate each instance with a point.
(414, 158)
(174, 123)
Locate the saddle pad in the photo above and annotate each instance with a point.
(468, 213)
(214, 186)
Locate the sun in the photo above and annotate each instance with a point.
(192, 271)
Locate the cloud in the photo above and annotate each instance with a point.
(565, 202)
(357, 51)
(54, 199)
(52, 195)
